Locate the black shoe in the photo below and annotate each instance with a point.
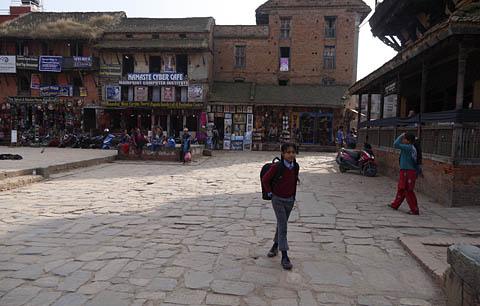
(286, 263)
(273, 251)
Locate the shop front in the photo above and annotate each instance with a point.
(308, 126)
(233, 125)
(39, 116)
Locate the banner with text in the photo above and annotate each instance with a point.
(155, 79)
(50, 63)
(82, 61)
(110, 71)
(27, 62)
(7, 64)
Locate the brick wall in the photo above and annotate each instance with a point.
(445, 183)
(307, 45)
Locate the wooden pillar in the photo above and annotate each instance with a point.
(476, 94)
(462, 61)
(369, 107)
(382, 102)
(359, 109)
(423, 90)
(399, 94)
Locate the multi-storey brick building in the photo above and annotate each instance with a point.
(284, 78)
(291, 71)
(49, 70)
(156, 72)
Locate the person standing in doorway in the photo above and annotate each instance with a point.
(408, 173)
(280, 182)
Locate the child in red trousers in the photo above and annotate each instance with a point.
(408, 173)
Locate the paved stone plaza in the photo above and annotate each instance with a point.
(138, 233)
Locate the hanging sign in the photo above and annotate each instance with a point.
(169, 63)
(50, 63)
(284, 64)
(7, 64)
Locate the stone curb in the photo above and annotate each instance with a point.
(437, 269)
(18, 178)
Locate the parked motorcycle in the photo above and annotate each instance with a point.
(108, 142)
(364, 161)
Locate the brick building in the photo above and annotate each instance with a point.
(49, 70)
(155, 72)
(291, 71)
(435, 76)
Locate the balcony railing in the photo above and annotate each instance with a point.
(457, 143)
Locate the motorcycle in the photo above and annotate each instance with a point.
(108, 142)
(364, 161)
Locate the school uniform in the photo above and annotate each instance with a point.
(408, 176)
(283, 199)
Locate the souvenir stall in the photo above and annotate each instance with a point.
(234, 123)
(300, 125)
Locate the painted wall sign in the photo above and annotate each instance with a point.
(50, 63)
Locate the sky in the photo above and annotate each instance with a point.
(372, 52)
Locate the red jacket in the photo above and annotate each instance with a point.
(285, 187)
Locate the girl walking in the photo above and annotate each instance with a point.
(280, 182)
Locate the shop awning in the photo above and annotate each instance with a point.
(196, 44)
(266, 94)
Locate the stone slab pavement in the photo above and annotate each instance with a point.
(137, 233)
(37, 158)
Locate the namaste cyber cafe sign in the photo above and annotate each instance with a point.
(155, 79)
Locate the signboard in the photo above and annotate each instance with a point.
(32, 100)
(284, 64)
(154, 79)
(35, 82)
(65, 91)
(50, 63)
(56, 91)
(110, 71)
(82, 61)
(195, 93)
(113, 93)
(83, 92)
(13, 136)
(27, 62)
(170, 105)
(141, 93)
(168, 94)
(7, 64)
(49, 91)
